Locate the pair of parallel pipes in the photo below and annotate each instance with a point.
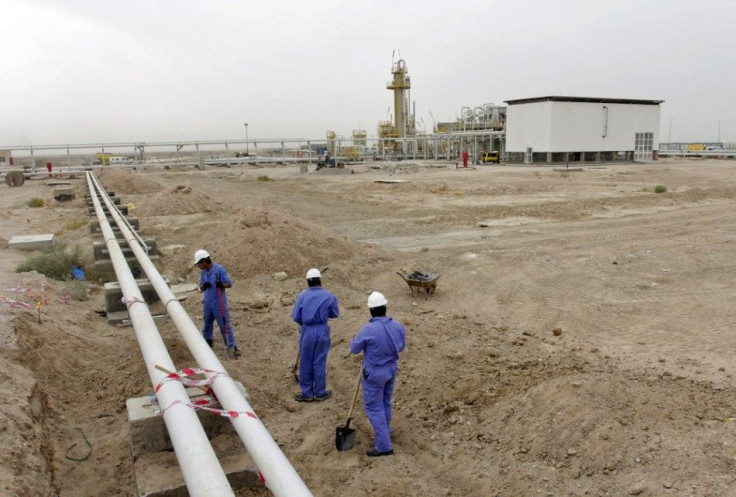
(202, 472)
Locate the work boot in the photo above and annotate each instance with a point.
(233, 353)
(378, 453)
(327, 395)
(210, 342)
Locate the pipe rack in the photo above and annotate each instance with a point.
(202, 472)
(279, 475)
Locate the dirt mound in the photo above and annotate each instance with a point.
(253, 241)
(122, 181)
(180, 199)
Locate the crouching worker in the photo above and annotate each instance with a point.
(380, 340)
(213, 281)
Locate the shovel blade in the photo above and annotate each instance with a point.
(295, 371)
(344, 437)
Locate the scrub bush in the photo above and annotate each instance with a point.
(55, 263)
(75, 223)
(35, 202)
(660, 189)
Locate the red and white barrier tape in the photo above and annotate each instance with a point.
(131, 301)
(185, 377)
(201, 405)
(14, 304)
(17, 289)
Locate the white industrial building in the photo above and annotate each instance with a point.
(559, 129)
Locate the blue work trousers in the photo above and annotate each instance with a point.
(212, 313)
(378, 388)
(314, 345)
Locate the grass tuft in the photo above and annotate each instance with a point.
(56, 263)
(75, 223)
(660, 189)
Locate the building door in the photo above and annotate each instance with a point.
(643, 146)
(529, 156)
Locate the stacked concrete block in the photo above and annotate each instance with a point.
(117, 310)
(156, 470)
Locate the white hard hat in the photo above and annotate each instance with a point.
(313, 273)
(376, 299)
(200, 254)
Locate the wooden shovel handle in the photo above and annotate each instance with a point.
(355, 394)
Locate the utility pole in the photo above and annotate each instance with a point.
(719, 131)
(669, 135)
(246, 139)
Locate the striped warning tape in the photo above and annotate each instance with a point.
(14, 304)
(130, 301)
(203, 405)
(204, 402)
(185, 376)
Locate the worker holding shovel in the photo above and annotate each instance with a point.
(313, 308)
(381, 341)
(213, 281)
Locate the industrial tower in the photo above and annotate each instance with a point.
(401, 85)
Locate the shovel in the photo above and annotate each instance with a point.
(344, 435)
(295, 367)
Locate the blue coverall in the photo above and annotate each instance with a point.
(312, 309)
(380, 340)
(215, 304)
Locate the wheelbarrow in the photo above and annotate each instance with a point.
(420, 279)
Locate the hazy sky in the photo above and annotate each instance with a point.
(83, 71)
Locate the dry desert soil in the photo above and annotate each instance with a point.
(580, 341)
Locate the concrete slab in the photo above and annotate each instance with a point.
(100, 252)
(106, 272)
(567, 169)
(113, 294)
(31, 242)
(157, 474)
(122, 208)
(156, 470)
(122, 318)
(115, 200)
(118, 235)
(148, 431)
(94, 226)
(62, 193)
(110, 193)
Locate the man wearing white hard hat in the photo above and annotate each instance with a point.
(312, 309)
(213, 281)
(381, 341)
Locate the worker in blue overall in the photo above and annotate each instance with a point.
(312, 309)
(213, 281)
(381, 341)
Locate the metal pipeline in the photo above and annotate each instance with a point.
(279, 475)
(202, 472)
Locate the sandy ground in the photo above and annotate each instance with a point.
(580, 341)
